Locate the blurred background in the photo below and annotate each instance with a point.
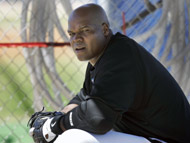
(33, 77)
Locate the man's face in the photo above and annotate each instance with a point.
(86, 38)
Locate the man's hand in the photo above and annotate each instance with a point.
(45, 126)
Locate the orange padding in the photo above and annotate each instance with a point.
(34, 44)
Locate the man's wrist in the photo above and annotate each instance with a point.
(62, 125)
(56, 125)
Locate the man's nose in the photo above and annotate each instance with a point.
(78, 37)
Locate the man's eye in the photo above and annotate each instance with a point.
(86, 30)
(71, 34)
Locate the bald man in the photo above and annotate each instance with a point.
(127, 96)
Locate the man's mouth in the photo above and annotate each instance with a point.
(79, 49)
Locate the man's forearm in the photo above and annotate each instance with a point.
(88, 116)
(69, 108)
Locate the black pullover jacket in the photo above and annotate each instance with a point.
(129, 91)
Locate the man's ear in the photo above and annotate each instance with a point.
(105, 28)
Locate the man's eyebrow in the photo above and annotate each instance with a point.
(80, 28)
(84, 26)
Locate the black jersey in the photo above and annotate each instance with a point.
(139, 94)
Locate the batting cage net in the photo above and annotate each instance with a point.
(38, 67)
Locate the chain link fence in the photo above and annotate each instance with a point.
(31, 78)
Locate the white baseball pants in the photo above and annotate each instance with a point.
(80, 136)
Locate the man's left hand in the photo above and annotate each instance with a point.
(45, 126)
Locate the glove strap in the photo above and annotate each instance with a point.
(55, 125)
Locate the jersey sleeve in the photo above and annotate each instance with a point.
(92, 115)
(78, 98)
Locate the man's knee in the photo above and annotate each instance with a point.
(75, 136)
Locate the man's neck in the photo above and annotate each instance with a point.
(94, 60)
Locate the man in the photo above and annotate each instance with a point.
(126, 90)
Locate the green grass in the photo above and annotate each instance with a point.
(16, 94)
(16, 90)
(14, 133)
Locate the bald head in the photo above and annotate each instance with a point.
(89, 32)
(92, 12)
